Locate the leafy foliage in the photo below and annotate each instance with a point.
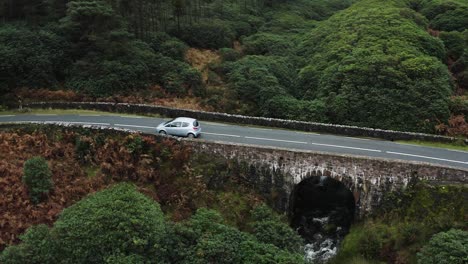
(110, 222)
(375, 67)
(448, 15)
(128, 222)
(256, 79)
(30, 58)
(446, 247)
(267, 44)
(209, 34)
(37, 177)
(269, 229)
(208, 240)
(406, 222)
(120, 225)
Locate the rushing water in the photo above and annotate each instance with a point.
(323, 210)
(322, 246)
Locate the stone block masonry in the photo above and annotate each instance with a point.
(248, 120)
(274, 172)
(368, 178)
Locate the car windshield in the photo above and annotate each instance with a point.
(167, 122)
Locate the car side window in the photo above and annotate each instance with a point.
(177, 124)
(171, 125)
(185, 124)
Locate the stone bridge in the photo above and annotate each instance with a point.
(275, 172)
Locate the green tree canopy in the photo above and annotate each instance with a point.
(374, 66)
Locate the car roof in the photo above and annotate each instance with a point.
(184, 119)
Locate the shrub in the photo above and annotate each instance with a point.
(269, 229)
(257, 79)
(455, 43)
(100, 77)
(376, 74)
(168, 46)
(208, 34)
(208, 240)
(38, 178)
(34, 248)
(229, 54)
(267, 44)
(114, 221)
(451, 20)
(449, 247)
(30, 58)
(174, 49)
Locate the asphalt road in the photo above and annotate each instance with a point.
(268, 137)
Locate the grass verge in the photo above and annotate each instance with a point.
(453, 146)
(68, 112)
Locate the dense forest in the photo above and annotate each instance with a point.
(399, 64)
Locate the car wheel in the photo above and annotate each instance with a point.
(191, 135)
(162, 132)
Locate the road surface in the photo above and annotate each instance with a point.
(275, 137)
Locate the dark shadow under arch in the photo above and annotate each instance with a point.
(321, 205)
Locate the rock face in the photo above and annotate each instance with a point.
(278, 171)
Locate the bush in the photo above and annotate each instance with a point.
(451, 20)
(257, 79)
(455, 44)
(116, 220)
(209, 240)
(208, 34)
(449, 247)
(30, 58)
(107, 77)
(229, 54)
(35, 247)
(269, 229)
(175, 49)
(38, 178)
(395, 65)
(168, 46)
(267, 44)
(117, 225)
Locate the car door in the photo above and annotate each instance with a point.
(177, 128)
(171, 128)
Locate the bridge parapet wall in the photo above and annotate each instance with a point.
(368, 178)
(250, 120)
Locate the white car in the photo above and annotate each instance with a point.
(181, 126)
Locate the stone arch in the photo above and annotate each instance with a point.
(316, 198)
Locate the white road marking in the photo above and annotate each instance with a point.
(6, 115)
(307, 133)
(131, 116)
(280, 140)
(19, 122)
(415, 145)
(89, 115)
(345, 147)
(425, 157)
(357, 138)
(135, 126)
(80, 123)
(214, 124)
(45, 114)
(224, 135)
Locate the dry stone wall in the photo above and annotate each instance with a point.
(250, 120)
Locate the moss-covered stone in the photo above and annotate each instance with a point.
(406, 222)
